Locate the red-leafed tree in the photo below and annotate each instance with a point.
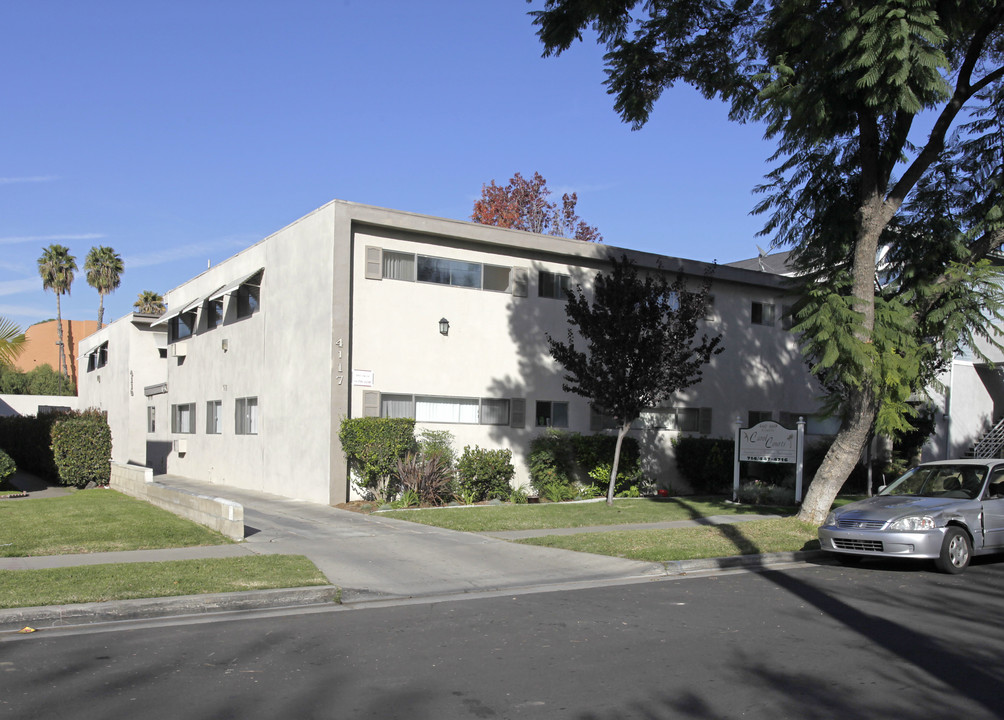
(523, 205)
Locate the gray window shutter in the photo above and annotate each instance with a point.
(374, 263)
(705, 421)
(517, 412)
(371, 403)
(520, 282)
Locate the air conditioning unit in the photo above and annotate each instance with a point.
(181, 446)
(179, 349)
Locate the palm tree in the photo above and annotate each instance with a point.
(104, 274)
(150, 303)
(56, 266)
(12, 342)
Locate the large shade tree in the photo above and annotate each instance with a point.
(104, 273)
(524, 204)
(633, 344)
(888, 175)
(56, 267)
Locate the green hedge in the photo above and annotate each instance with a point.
(485, 474)
(705, 463)
(28, 440)
(82, 448)
(560, 459)
(7, 469)
(372, 447)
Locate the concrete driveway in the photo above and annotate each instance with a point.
(374, 555)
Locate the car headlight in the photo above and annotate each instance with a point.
(913, 522)
(831, 519)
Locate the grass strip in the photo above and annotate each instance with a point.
(490, 518)
(98, 520)
(745, 538)
(127, 581)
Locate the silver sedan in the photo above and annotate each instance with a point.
(944, 511)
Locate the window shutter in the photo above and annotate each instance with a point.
(705, 421)
(517, 413)
(374, 263)
(520, 283)
(371, 403)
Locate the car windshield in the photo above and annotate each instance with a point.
(949, 481)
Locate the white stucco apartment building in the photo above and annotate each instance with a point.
(344, 313)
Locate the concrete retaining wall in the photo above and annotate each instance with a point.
(224, 516)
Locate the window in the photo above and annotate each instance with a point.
(98, 357)
(681, 419)
(214, 313)
(181, 327)
(497, 278)
(552, 414)
(398, 266)
(183, 418)
(214, 420)
(762, 314)
(151, 419)
(449, 272)
(758, 416)
(438, 409)
(552, 285)
(246, 416)
(248, 300)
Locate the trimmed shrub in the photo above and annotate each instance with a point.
(28, 441)
(7, 469)
(82, 449)
(561, 461)
(705, 463)
(485, 474)
(372, 447)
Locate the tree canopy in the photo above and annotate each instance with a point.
(149, 302)
(888, 178)
(12, 341)
(523, 205)
(640, 348)
(104, 273)
(56, 267)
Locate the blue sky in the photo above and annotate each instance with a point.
(180, 132)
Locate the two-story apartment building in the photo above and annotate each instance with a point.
(355, 310)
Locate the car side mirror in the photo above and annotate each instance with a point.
(881, 488)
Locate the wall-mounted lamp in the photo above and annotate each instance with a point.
(225, 344)
(444, 327)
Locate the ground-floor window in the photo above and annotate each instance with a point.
(246, 416)
(183, 418)
(552, 414)
(214, 421)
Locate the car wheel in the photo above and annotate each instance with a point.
(956, 552)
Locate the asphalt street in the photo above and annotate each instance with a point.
(889, 641)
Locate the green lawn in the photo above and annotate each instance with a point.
(96, 520)
(124, 581)
(489, 518)
(745, 538)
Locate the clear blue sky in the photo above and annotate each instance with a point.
(181, 132)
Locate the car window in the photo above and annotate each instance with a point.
(951, 481)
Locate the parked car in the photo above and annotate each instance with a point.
(945, 511)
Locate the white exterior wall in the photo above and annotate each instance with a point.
(134, 363)
(12, 405)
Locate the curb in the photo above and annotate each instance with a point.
(682, 567)
(55, 616)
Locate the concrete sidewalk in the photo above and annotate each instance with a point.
(367, 558)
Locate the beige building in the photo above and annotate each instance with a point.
(42, 345)
(356, 310)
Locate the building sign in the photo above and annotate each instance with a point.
(362, 378)
(767, 442)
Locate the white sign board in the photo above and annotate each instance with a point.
(767, 442)
(362, 378)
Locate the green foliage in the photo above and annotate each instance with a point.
(485, 474)
(426, 479)
(28, 440)
(707, 464)
(438, 444)
(758, 492)
(372, 447)
(560, 462)
(7, 468)
(12, 341)
(82, 448)
(42, 380)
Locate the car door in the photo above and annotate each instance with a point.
(993, 509)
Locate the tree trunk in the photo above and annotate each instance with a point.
(841, 458)
(101, 310)
(59, 337)
(617, 458)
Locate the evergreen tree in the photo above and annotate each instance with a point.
(839, 87)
